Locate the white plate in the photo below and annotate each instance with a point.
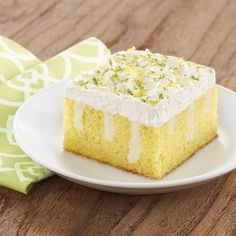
(38, 131)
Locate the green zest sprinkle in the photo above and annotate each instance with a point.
(194, 77)
(149, 77)
(95, 81)
(129, 92)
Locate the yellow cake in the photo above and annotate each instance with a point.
(142, 112)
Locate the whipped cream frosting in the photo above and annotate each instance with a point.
(145, 87)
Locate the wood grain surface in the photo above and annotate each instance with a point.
(201, 30)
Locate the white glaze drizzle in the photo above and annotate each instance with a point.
(134, 143)
(207, 105)
(191, 122)
(171, 126)
(78, 116)
(109, 126)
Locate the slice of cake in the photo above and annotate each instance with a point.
(142, 112)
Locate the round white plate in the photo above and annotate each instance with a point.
(38, 131)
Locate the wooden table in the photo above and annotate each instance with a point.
(201, 30)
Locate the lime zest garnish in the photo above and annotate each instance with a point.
(142, 74)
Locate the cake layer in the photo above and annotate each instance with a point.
(147, 88)
(144, 149)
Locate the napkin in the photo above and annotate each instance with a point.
(21, 75)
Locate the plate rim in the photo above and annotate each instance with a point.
(109, 183)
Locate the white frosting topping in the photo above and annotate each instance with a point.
(169, 85)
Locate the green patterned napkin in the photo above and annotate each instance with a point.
(21, 75)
